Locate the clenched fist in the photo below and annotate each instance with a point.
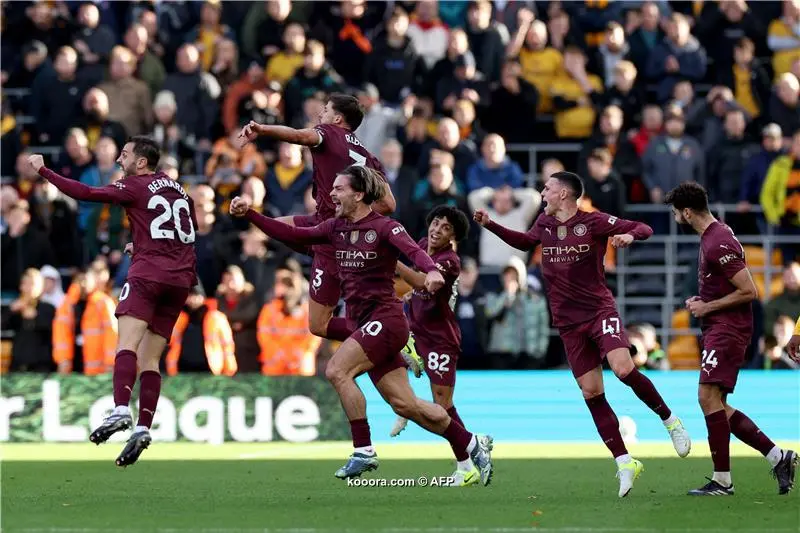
(481, 217)
(239, 206)
(36, 161)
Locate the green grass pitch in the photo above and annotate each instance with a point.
(290, 488)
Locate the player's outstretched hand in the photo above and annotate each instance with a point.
(434, 281)
(621, 241)
(36, 161)
(481, 217)
(129, 249)
(250, 132)
(793, 348)
(239, 206)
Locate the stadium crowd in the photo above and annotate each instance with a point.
(655, 92)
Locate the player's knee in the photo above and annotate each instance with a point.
(147, 363)
(318, 327)
(709, 399)
(590, 391)
(443, 397)
(333, 373)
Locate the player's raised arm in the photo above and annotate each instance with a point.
(525, 242)
(305, 137)
(278, 230)
(110, 194)
(622, 231)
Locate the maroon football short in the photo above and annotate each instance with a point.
(156, 303)
(325, 286)
(724, 353)
(588, 343)
(440, 361)
(382, 337)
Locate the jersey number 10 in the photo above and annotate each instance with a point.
(170, 212)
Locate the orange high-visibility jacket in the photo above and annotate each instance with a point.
(218, 341)
(287, 347)
(98, 329)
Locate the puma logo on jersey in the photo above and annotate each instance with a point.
(548, 231)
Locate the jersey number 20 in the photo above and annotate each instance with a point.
(170, 211)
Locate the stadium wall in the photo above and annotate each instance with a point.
(537, 406)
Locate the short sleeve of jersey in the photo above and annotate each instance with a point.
(727, 254)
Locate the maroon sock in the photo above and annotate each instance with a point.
(719, 440)
(747, 432)
(458, 437)
(460, 453)
(124, 376)
(149, 391)
(607, 424)
(338, 329)
(646, 391)
(360, 431)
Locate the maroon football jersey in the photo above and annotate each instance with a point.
(721, 258)
(340, 148)
(572, 260)
(162, 221)
(431, 316)
(366, 254)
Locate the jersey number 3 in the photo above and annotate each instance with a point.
(170, 212)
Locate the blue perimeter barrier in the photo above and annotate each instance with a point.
(530, 406)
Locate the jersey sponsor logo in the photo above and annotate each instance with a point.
(371, 236)
(356, 254)
(565, 254)
(562, 233)
(725, 259)
(579, 230)
(353, 236)
(398, 229)
(612, 220)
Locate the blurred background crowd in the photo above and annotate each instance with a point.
(456, 93)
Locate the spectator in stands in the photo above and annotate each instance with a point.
(283, 65)
(748, 79)
(208, 32)
(23, 246)
(514, 208)
(706, 120)
(646, 36)
(236, 298)
(471, 316)
(149, 67)
(672, 158)
(572, 92)
(784, 39)
(788, 302)
(128, 97)
(457, 45)
(287, 347)
(652, 126)
(755, 171)
(239, 94)
(315, 76)
(394, 67)
(513, 106)
(245, 160)
(93, 42)
(55, 214)
(107, 227)
(678, 56)
(210, 240)
(649, 354)
(776, 356)
(352, 40)
(98, 174)
(469, 127)
(262, 32)
(76, 157)
(611, 52)
(494, 169)
(288, 179)
(53, 291)
(24, 182)
(56, 101)
(610, 137)
(85, 328)
(727, 159)
(487, 39)
(226, 64)
(166, 132)
(380, 123)
(780, 197)
(448, 140)
(623, 93)
(402, 178)
(464, 82)
(562, 31)
(518, 336)
(784, 106)
(438, 189)
(259, 262)
(540, 63)
(604, 187)
(428, 32)
(31, 320)
(195, 94)
(202, 341)
(95, 119)
(34, 62)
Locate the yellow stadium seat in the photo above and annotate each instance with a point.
(684, 353)
(680, 319)
(756, 257)
(5, 356)
(776, 285)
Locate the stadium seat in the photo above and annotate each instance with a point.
(5, 355)
(680, 319)
(684, 353)
(647, 285)
(775, 288)
(643, 255)
(756, 257)
(651, 315)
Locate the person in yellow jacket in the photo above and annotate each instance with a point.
(572, 92)
(794, 343)
(287, 346)
(780, 197)
(202, 340)
(85, 328)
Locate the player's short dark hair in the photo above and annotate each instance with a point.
(571, 180)
(349, 107)
(366, 180)
(455, 217)
(688, 195)
(146, 147)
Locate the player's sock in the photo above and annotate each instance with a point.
(607, 424)
(669, 421)
(465, 465)
(460, 453)
(124, 377)
(625, 458)
(338, 330)
(362, 441)
(646, 391)
(458, 437)
(748, 432)
(723, 478)
(719, 440)
(149, 391)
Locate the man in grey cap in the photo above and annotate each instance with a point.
(755, 171)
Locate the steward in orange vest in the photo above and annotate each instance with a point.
(202, 340)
